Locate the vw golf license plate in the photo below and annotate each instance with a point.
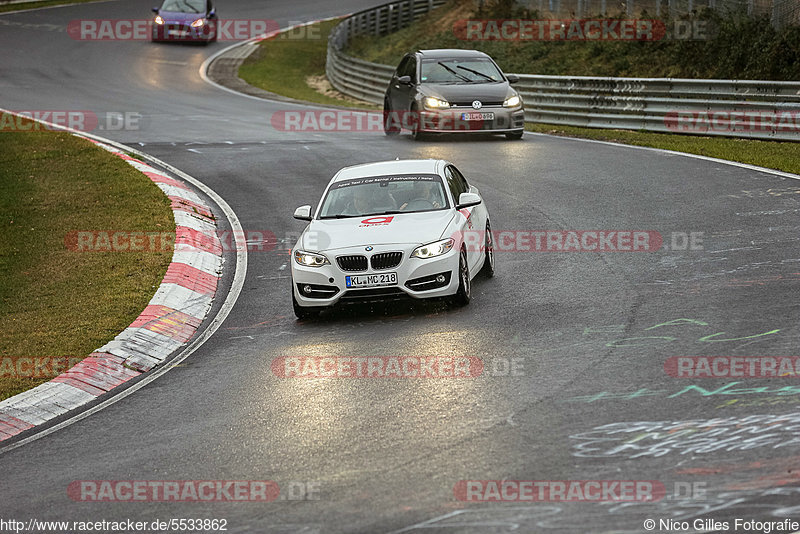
(477, 116)
(371, 280)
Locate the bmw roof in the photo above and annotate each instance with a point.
(383, 168)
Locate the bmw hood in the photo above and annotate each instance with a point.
(404, 228)
(468, 92)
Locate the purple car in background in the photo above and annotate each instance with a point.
(185, 20)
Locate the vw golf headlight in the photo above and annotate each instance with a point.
(309, 259)
(198, 23)
(159, 20)
(435, 103)
(432, 250)
(512, 102)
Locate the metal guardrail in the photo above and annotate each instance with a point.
(362, 79)
(737, 108)
(734, 108)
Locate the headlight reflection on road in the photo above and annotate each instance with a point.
(407, 416)
(442, 365)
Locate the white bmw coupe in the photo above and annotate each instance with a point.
(405, 228)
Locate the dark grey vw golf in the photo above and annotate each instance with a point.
(452, 91)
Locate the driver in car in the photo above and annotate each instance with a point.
(367, 199)
(426, 192)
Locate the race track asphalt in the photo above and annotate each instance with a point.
(589, 333)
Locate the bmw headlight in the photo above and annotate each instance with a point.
(512, 102)
(309, 259)
(159, 20)
(199, 23)
(432, 250)
(435, 103)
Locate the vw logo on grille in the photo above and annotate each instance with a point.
(368, 249)
(477, 104)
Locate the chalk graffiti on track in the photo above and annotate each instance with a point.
(638, 439)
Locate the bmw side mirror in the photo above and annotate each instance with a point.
(467, 200)
(303, 213)
(512, 78)
(404, 80)
(155, 10)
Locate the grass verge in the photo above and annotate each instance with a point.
(284, 65)
(4, 8)
(56, 303)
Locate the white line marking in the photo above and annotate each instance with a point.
(207, 63)
(675, 153)
(216, 322)
(168, 62)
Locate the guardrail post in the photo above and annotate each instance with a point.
(776, 21)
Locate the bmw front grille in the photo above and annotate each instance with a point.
(353, 263)
(385, 260)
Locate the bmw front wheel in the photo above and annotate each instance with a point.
(464, 293)
(488, 247)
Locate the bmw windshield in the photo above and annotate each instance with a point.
(381, 195)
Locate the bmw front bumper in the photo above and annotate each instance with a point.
(416, 278)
